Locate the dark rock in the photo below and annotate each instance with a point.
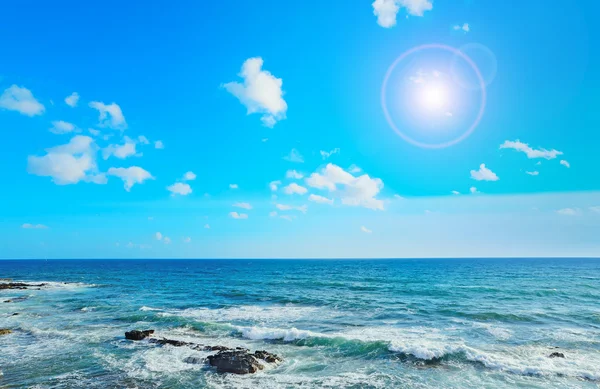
(556, 355)
(194, 360)
(18, 285)
(237, 362)
(176, 343)
(5, 331)
(267, 356)
(15, 314)
(138, 335)
(16, 299)
(217, 348)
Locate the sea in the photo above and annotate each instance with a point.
(405, 323)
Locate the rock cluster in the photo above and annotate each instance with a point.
(18, 285)
(226, 360)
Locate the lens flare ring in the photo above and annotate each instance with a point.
(456, 52)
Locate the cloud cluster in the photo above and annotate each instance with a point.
(72, 99)
(327, 154)
(354, 191)
(294, 188)
(484, 174)
(123, 151)
(387, 10)
(236, 215)
(320, 199)
(110, 115)
(465, 27)
(62, 127)
(530, 152)
(180, 188)
(285, 207)
(130, 176)
(260, 92)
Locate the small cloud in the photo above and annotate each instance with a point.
(386, 10)
(327, 154)
(530, 152)
(260, 92)
(565, 163)
(534, 173)
(484, 174)
(287, 217)
(187, 239)
(189, 176)
(143, 140)
(294, 175)
(179, 188)
(473, 190)
(283, 207)
(398, 197)
(131, 175)
(29, 226)
(93, 132)
(236, 215)
(273, 213)
(294, 156)
(110, 115)
(294, 188)
(264, 140)
(354, 169)
(20, 99)
(233, 186)
(320, 199)
(167, 240)
(243, 205)
(207, 226)
(464, 27)
(158, 236)
(62, 127)
(365, 230)
(273, 185)
(569, 211)
(72, 99)
(456, 193)
(159, 145)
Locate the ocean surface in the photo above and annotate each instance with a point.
(452, 323)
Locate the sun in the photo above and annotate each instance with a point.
(433, 98)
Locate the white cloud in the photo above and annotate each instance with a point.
(294, 156)
(398, 197)
(533, 173)
(207, 226)
(287, 217)
(465, 27)
(294, 188)
(20, 99)
(93, 132)
(187, 239)
(158, 236)
(273, 185)
(179, 188)
(569, 211)
(243, 205)
(387, 10)
(236, 215)
(455, 192)
(69, 163)
(273, 213)
(143, 140)
(531, 153)
(565, 163)
(260, 92)
(233, 186)
(283, 207)
(354, 169)
(354, 191)
(595, 209)
(189, 176)
(294, 175)
(34, 226)
(62, 127)
(320, 199)
(159, 145)
(365, 230)
(484, 174)
(327, 154)
(120, 151)
(110, 115)
(130, 176)
(473, 190)
(167, 240)
(72, 100)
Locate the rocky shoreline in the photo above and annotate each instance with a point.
(227, 360)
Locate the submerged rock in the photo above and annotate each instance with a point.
(138, 335)
(237, 362)
(16, 299)
(556, 355)
(5, 331)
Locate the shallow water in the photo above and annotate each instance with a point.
(462, 323)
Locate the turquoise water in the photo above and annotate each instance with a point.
(468, 323)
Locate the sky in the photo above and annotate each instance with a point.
(272, 129)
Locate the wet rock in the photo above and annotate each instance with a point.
(176, 343)
(267, 356)
(556, 355)
(15, 314)
(194, 360)
(138, 335)
(18, 285)
(5, 331)
(218, 348)
(16, 299)
(237, 362)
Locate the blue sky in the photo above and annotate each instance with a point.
(276, 108)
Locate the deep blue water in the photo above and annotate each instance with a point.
(452, 323)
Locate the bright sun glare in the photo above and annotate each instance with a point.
(433, 97)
